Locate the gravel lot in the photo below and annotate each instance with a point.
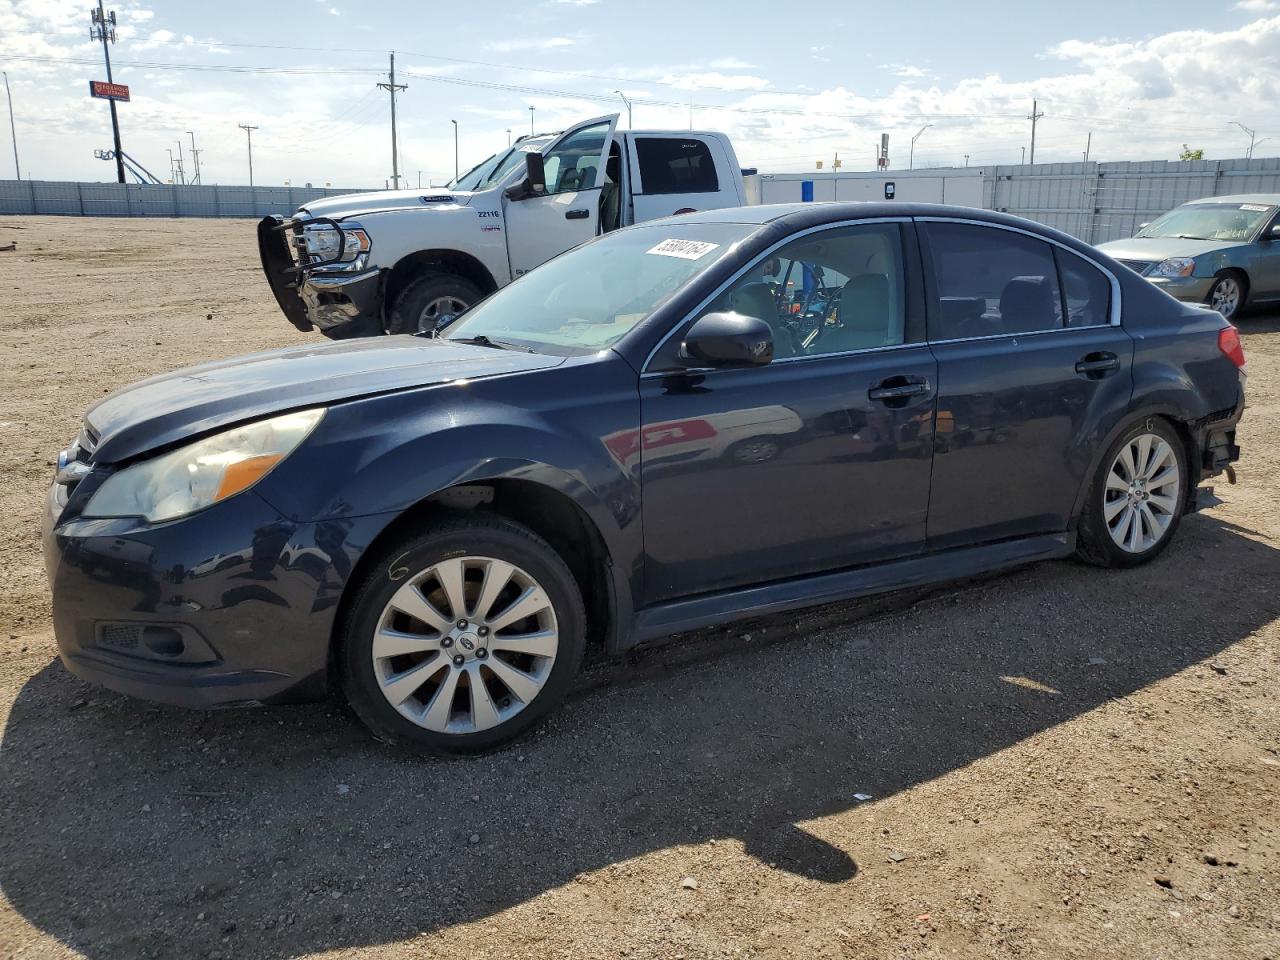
(1061, 762)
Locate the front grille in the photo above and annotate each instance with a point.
(1138, 266)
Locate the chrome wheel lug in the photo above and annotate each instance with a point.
(459, 660)
(462, 624)
(481, 653)
(483, 631)
(447, 642)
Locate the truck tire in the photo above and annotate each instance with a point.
(430, 298)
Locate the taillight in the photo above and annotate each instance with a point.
(1229, 344)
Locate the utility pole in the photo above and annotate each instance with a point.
(102, 26)
(1253, 136)
(182, 167)
(531, 121)
(248, 130)
(1035, 115)
(911, 155)
(173, 171)
(393, 88)
(1088, 145)
(966, 159)
(1024, 156)
(455, 149)
(195, 155)
(13, 131)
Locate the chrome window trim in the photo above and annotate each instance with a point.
(739, 274)
(1115, 282)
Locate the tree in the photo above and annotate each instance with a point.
(1189, 154)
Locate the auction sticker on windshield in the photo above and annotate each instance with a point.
(684, 249)
(1257, 208)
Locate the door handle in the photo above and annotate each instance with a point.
(577, 214)
(898, 391)
(1095, 366)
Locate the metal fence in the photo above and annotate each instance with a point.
(70, 198)
(1097, 202)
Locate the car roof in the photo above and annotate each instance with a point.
(1271, 199)
(800, 216)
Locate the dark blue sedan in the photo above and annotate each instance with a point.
(698, 419)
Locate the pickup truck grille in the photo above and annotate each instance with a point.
(298, 246)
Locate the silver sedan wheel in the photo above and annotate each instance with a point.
(439, 311)
(1225, 297)
(465, 645)
(1141, 496)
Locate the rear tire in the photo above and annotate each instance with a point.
(431, 656)
(1137, 497)
(430, 299)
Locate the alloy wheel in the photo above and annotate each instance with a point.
(465, 645)
(439, 312)
(1225, 297)
(1141, 495)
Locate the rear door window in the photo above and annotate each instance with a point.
(991, 282)
(675, 165)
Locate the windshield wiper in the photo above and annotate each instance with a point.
(480, 340)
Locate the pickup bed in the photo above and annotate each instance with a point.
(405, 261)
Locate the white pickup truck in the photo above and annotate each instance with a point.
(404, 261)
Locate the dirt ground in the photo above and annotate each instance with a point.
(1061, 762)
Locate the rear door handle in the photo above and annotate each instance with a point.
(1095, 366)
(899, 391)
(577, 214)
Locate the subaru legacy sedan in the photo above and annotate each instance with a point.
(698, 419)
(1219, 251)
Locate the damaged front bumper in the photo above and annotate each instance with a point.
(339, 302)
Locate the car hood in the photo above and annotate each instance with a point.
(1159, 248)
(354, 204)
(171, 407)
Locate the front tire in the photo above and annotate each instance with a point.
(430, 300)
(462, 638)
(1229, 294)
(1137, 498)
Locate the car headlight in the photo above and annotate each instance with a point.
(322, 241)
(202, 473)
(1174, 267)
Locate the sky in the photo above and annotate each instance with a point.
(792, 84)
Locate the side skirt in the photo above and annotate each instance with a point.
(726, 606)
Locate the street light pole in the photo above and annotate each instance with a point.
(531, 121)
(911, 155)
(508, 136)
(628, 103)
(455, 149)
(195, 155)
(1253, 134)
(13, 131)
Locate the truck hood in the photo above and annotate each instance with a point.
(351, 204)
(1154, 249)
(174, 406)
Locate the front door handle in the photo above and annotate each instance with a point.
(577, 214)
(1095, 366)
(898, 388)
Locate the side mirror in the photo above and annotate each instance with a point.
(534, 183)
(727, 340)
(1273, 233)
(1143, 226)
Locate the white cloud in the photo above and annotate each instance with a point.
(720, 81)
(530, 43)
(575, 3)
(903, 70)
(731, 63)
(1256, 6)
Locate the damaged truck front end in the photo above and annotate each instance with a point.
(320, 273)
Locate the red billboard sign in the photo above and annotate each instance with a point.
(108, 91)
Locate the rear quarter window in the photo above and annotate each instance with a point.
(671, 165)
(1086, 289)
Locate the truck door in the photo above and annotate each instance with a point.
(539, 228)
(671, 174)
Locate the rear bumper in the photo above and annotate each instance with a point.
(341, 305)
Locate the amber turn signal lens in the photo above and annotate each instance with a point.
(245, 473)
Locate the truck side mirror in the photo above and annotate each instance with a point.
(535, 175)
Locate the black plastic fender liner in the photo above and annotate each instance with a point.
(279, 268)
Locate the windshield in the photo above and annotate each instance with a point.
(589, 298)
(1210, 221)
(495, 169)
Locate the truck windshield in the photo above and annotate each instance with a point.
(1210, 221)
(494, 169)
(589, 298)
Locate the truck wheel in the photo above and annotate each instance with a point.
(463, 637)
(1137, 498)
(430, 299)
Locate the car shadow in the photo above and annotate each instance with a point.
(134, 830)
